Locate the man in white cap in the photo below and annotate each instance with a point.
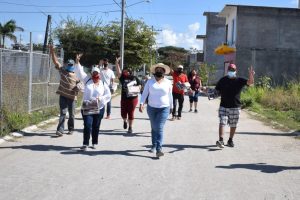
(179, 78)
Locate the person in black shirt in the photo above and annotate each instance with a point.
(129, 100)
(230, 88)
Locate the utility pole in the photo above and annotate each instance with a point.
(122, 34)
(46, 33)
(155, 30)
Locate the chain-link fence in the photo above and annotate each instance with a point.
(28, 81)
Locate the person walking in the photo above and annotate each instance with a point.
(158, 90)
(129, 99)
(107, 76)
(230, 88)
(96, 94)
(179, 78)
(194, 91)
(67, 91)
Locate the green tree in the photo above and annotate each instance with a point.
(207, 72)
(138, 40)
(97, 41)
(172, 56)
(81, 37)
(7, 30)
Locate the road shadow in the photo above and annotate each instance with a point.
(268, 134)
(130, 153)
(181, 147)
(31, 134)
(40, 147)
(123, 132)
(115, 106)
(76, 150)
(139, 118)
(263, 167)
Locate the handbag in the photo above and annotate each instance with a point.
(90, 107)
(133, 91)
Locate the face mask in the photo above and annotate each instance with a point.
(179, 70)
(231, 74)
(70, 68)
(158, 74)
(125, 74)
(96, 78)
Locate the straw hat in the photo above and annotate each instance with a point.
(161, 65)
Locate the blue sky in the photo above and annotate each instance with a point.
(177, 21)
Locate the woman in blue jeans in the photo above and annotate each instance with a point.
(158, 91)
(95, 96)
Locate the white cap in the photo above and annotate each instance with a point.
(95, 69)
(180, 67)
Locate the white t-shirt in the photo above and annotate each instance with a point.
(159, 94)
(107, 75)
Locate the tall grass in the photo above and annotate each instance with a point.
(280, 104)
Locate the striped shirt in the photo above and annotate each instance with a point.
(67, 85)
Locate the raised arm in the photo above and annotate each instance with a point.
(54, 58)
(118, 67)
(80, 73)
(251, 77)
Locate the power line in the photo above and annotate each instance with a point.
(49, 6)
(60, 12)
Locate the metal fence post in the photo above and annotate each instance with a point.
(1, 93)
(30, 75)
(1, 81)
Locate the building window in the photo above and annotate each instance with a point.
(226, 34)
(233, 32)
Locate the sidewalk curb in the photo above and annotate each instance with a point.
(14, 135)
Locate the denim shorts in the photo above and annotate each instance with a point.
(194, 98)
(229, 116)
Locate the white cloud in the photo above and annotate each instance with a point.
(187, 39)
(294, 2)
(40, 38)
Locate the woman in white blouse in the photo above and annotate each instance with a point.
(158, 91)
(95, 96)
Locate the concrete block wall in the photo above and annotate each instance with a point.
(268, 39)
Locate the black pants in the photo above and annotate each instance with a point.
(180, 99)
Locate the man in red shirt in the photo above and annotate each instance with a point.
(179, 78)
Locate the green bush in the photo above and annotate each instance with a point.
(281, 104)
(15, 121)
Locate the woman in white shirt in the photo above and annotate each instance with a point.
(158, 91)
(95, 96)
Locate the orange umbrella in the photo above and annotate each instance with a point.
(224, 49)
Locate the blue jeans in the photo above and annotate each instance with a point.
(91, 125)
(158, 118)
(66, 105)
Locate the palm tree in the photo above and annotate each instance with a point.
(8, 29)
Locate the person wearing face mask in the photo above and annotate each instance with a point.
(158, 90)
(107, 76)
(196, 85)
(128, 102)
(179, 78)
(67, 91)
(230, 87)
(95, 96)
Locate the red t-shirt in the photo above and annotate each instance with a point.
(176, 78)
